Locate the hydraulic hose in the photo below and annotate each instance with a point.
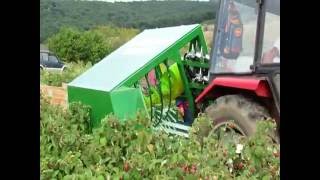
(149, 89)
(158, 76)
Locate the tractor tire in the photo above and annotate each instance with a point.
(244, 113)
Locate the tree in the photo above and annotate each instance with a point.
(73, 45)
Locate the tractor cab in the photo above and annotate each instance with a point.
(247, 36)
(244, 72)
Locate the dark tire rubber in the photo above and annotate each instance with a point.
(244, 112)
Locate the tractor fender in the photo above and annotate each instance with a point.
(255, 84)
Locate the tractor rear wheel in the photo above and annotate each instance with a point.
(237, 113)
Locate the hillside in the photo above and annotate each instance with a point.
(84, 15)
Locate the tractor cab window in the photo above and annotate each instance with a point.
(234, 47)
(271, 36)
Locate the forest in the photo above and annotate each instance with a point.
(85, 15)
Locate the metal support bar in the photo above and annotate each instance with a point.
(187, 90)
(196, 64)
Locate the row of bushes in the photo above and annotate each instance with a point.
(70, 149)
(57, 78)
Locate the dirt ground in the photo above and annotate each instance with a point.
(56, 95)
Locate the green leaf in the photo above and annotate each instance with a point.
(55, 174)
(191, 177)
(68, 177)
(100, 178)
(163, 163)
(150, 148)
(88, 172)
(266, 177)
(126, 176)
(212, 162)
(259, 151)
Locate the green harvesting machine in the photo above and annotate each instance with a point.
(147, 74)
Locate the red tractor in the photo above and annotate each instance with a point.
(244, 74)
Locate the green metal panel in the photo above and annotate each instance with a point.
(123, 102)
(127, 102)
(99, 101)
(126, 61)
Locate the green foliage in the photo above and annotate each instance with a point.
(57, 78)
(114, 37)
(150, 14)
(131, 150)
(73, 45)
